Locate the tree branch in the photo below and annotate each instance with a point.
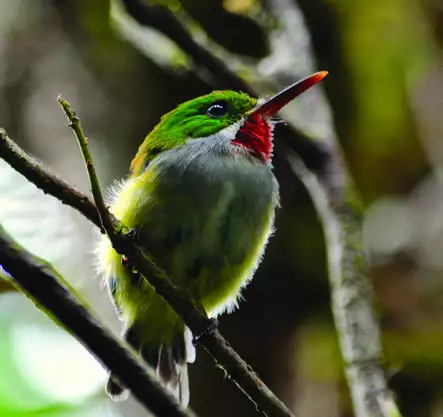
(195, 318)
(37, 278)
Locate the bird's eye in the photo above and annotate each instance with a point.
(218, 109)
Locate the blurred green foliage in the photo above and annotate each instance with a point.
(387, 50)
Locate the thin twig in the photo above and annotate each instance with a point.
(45, 286)
(74, 124)
(192, 315)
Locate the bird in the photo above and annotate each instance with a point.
(201, 196)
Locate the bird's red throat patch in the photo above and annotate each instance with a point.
(255, 136)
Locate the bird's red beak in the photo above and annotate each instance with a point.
(277, 102)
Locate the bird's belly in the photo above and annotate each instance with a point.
(206, 224)
(208, 230)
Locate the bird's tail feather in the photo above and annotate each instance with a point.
(170, 363)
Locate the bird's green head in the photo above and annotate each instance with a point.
(236, 114)
(201, 117)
